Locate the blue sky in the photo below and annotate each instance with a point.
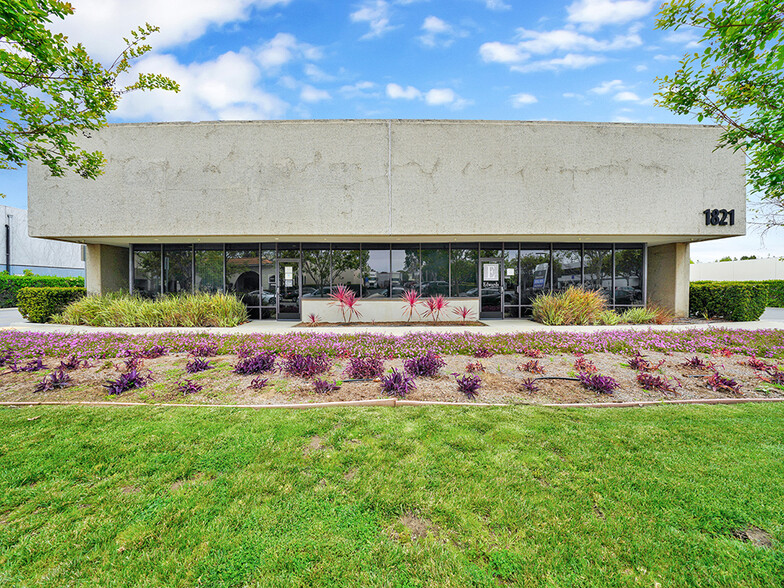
(589, 60)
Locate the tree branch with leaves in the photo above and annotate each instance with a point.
(52, 91)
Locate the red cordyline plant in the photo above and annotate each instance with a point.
(464, 313)
(435, 306)
(411, 299)
(347, 300)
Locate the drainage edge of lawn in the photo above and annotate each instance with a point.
(394, 402)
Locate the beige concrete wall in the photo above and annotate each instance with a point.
(357, 180)
(668, 277)
(373, 309)
(730, 271)
(106, 269)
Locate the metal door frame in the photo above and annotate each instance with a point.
(288, 316)
(500, 262)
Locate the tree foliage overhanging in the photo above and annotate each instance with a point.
(734, 77)
(51, 91)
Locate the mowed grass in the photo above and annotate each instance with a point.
(391, 497)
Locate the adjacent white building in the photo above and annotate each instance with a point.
(739, 271)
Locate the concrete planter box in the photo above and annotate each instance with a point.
(384, 310)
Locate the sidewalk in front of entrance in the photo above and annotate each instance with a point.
(773, 318)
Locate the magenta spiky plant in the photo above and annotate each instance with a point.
(435, 306)
(313, 319)
(464, 313)
(347, 300)
(411, 299)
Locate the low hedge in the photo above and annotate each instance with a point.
(734, 301)
(10, 285)
(38, 305)
(775, 292)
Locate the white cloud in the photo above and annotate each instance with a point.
(439, 33)
(311, 94)
(641, 67)
(439, 96)
(593, 14)
(282, 49)
(666, 57)
(497, 5)
(376, 14)
(684, 37)
(396, 92)
(606, 87)
(433, 97)
(626, 96)
(363, 89)
(100, 25)
(520, 100)
(569, 61)
(314, 73)
(225, 88)
(502, 53)
(542, 42)
(623, 119)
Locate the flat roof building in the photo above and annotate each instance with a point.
(489, 213)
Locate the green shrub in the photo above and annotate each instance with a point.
(638, 316)
(775, 293)
(608, 317)
(10, 285)
(125, 310)
(734, 301)
(573, 306)
(38, 305)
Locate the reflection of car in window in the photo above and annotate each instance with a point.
(627, 295)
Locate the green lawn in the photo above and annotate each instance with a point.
(511, 496)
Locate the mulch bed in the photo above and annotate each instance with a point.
(501, 381)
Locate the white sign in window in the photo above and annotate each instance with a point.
(510, 271)
(490, 272)
(288, 272)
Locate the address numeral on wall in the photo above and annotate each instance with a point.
(719, 217)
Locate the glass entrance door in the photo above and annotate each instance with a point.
(288, 275)
(491, 292)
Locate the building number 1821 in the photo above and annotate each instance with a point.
(721, 217)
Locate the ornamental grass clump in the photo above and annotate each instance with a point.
(638, 316)
(197, 364)
(181, 310)
(426, 366)
(364, 368)
(658, 383)
(54, 381)
(325, 386)
(306, 366)
(469, 385)
(573, 306)
(397, 383)
(597, 383)
(256, 364)
(608, 317)
(127, 381)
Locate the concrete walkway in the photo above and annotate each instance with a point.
(772, 319)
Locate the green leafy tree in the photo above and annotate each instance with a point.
(736, 79)
(52, 91)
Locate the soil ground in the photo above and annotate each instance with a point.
(501, 381)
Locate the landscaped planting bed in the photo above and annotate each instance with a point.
(616, 366)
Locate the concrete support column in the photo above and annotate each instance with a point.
(668, 277)
(106, 269)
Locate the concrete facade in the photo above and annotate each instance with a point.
(390, 181)
(41, 256)
(738, 271)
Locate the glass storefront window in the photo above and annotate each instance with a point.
(242, 273)
(209, 268)
(288, 250)
(376, 274)
(435, 269)
(535, 270)
(491, 250)
(316, 272)
(465, 268)
(268, 280)
(405, 269)
(345, 267)
(628, 276)
(147, 271)
(511, 276)
(597, 270)
(567, 267)
(177, 269)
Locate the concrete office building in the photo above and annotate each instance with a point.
(488, 213)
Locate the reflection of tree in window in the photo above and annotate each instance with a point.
(598, 269)
(566, 268)
(628, 276)
(435, 270)
(465, 265)
(147, 272)
(209, 270)
(177, 269)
